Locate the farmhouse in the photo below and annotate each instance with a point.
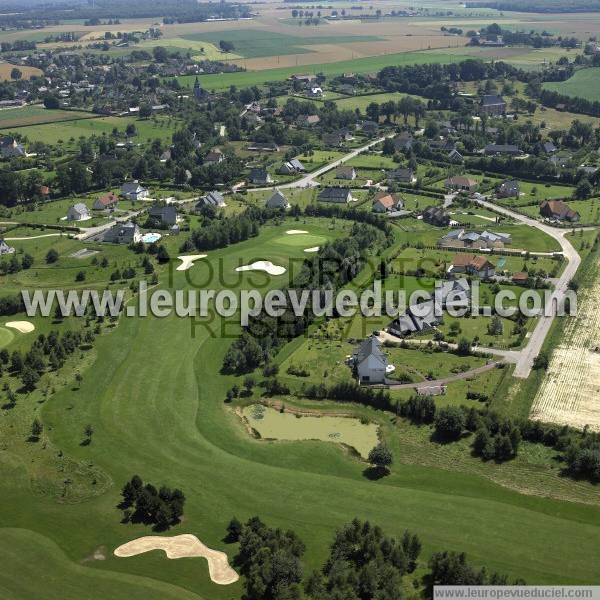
(556, 209)
(78, 212)
(403, 142)
(335, 194)
(260, 176)
(386, 202)
(213, 198)
(369, 362)
(509, 188)
(492, 106)
(436, 215)
(108, 202)
(347, 173)
(123, 233)
(132, 190)
(427, 315)
(5, 248)
(461, 183)
(471, 264)
(278, 200)
(165, 216)
(459, 238)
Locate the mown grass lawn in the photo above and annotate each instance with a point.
(585, 83)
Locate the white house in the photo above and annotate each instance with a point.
(370, 362)
(78, 212)
(132, 190)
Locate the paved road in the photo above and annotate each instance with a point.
(536, 341)
(308, 179)
(91, 232)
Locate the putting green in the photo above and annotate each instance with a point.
(301, 240)
(6, 337)
(272, 424)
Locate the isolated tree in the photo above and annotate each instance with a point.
(36, 429)
(51, 256)
(16, 74)
(380, 456)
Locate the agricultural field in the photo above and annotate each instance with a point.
(585, 83)
(223, 81)
(70, 131)
(568, 394)
(26, 71)
(36, 115)
(252, 43)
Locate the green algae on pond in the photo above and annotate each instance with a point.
(273, 424)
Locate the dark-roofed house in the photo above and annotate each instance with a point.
(334, 139)
(508, 189)
(502, 149)
(164, 215)
(369, 127)
(9, 147)
(424, 316)
(403, 176)
(471, 264)
(78, 212)
(557, 209)
(336, 194)
(5, 248)
(549, 148)
(260, 176)
(347, 173)
(108, 202)
(369, 362)
(213, 198)
(278, 200)
(436, 215)
(403, 142)
(459, 238)
(492, 106)
(123, 233)
(461, 183)
(132, 190)
(386, 202)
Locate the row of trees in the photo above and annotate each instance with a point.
(363, 564)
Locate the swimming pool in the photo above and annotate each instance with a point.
(151, 238)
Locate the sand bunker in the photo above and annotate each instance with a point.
(183, 546)
(187, 262)
(295, 231)
(314, 249)
(263, 265)
(21, 326)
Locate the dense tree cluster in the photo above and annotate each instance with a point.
(270, 560)
(364, 564)
(451, 568)
(146, 504)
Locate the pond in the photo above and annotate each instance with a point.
(273, 424)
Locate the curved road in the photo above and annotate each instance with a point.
(530, 352)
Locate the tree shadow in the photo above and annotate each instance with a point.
(375, 473)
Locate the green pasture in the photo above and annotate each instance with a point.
(36, 115)
(585, 83)
(255, 43)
